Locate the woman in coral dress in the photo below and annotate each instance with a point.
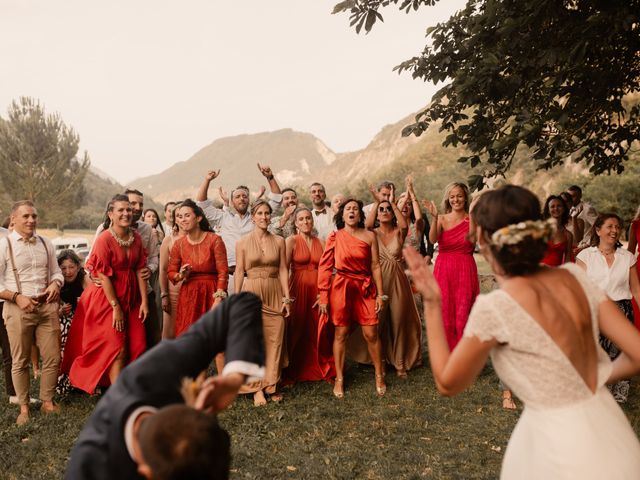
(310, 355)
(199, 261)
(262, 257)
(560, 245)
(107, 331)
(541, 330)
(354, 295)
(455, 267)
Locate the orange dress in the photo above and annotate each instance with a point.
(351, 293)
(93, 344)
(209, 272)
(309, 359)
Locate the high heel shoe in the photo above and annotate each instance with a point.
(340, 392)
(380, 390)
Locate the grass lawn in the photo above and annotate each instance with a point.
(412, 432)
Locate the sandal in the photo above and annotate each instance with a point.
(507, 401)
(338, 392)
(380, 389)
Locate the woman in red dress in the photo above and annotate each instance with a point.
(355, 293)
(560, 246)
(310, 358)
(634, 235)
(199, 260)
(107, 331)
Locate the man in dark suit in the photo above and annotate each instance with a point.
(141, 427)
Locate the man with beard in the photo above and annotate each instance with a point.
(234, 222)
(149, 235)
(322, 215)
(284, 224)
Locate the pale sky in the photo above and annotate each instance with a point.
(148, 83)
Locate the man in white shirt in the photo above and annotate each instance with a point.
(167, 225)
(283, 225)
(384, 188)
(234, 222)
(30, 282)
(583, 211)
(322, 215)
(6, 350)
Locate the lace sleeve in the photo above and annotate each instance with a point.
(485, 320)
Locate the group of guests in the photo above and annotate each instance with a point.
(331, 278)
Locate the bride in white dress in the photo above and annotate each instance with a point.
(541, 330)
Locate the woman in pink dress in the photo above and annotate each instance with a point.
(560, 245)
(455, 268)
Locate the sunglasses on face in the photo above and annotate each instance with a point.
(385, 209)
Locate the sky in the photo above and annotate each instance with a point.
(147, 84)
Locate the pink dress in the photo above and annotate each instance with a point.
(457, 275)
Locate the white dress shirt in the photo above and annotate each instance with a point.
(613, 280)
(32, 262)
(588, 215)
(323, 222)
(230, 225)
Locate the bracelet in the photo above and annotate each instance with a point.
(164, 295)
(15, 297)
(220, 294)
(287, 301)
(270, 177)
(114, 303)
(384, 298)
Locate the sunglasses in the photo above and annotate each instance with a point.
(385, 209)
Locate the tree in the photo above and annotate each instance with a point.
(559, 76)
(38, 160)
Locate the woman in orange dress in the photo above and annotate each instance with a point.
(354, 294)
(309, 357)
(199, 261)
(262, 257)
(107, 331)
(560, 246)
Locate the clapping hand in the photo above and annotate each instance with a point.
(377, 198)
(431, 207)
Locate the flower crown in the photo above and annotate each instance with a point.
(517, 232)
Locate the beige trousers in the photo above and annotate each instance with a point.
(43, 325)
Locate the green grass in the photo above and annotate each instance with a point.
(412, 432)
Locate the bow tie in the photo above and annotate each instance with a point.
(320, 212)
(31, 240)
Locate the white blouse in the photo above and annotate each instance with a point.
(613, 280)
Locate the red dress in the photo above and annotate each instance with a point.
(209, 272)
(457, 276)
(635, 226)
(351, 294)
(555, 255)
(93, 343)
(309, 359)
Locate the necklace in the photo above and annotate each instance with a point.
(121, 242)
(606, 254)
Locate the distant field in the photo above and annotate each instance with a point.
(53, 233)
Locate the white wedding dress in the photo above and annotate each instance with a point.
(566, 431)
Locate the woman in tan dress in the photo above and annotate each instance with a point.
(399, 327)
(170, 291)
(262, 256)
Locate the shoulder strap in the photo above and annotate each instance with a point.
(13, 265)
(48, 260)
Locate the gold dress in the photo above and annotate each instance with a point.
(399, 323)
(262, 269)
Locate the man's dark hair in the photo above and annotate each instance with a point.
(167, 204)
(288, 190)
(179, 442)
(384, 184)
(118, 197)
(134, 191)
(575, 188)
(339, 221)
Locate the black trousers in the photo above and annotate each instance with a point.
(153, 323)
(6, 356)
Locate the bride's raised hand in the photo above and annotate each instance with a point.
(421, 276)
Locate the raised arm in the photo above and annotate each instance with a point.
(452, 371)
(265, 170)
(203, 190)
(370, 220)
(434, 229)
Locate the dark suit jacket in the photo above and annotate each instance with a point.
(234, 327)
